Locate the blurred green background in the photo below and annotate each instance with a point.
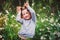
(48, 19)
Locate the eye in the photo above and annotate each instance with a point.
(27, 12)
(24, 14)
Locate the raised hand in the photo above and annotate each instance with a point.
(18, 9)
(26, 4)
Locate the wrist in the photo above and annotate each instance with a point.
(28, 6)
(19, 12)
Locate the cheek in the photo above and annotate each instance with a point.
(26, 16)
(29, 16)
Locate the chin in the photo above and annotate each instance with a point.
(28, 18)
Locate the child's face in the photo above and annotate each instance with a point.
(25, 14)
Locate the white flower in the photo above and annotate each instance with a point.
(48, 28)
(54, 23)
(56, 20)
(42, 20)
(45, 35)
(42, 37)
(12, 16)
(58, 33)
(59, 15)
(58, 24)
(7, 18)
(38, 15)
(11, 25)
(51, 24)
(0, 36)
(52, 13)
(45, 25)
(40, 9)
(16, 25)
(32, 4)
(9, 8)
(46, 19)
(52, 20)
(6, 23)
(50, 38)
(7, 11)
(0, 13)
(44, 7)
(55, 32)
(42, 29)
(39, 33)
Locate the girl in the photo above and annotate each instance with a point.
(27, 18)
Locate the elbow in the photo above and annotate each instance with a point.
(20, 21)
(17, 19)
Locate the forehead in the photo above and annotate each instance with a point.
(24, 11)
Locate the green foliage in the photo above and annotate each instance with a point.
(11, 28)
(47, 22)
(47, 25)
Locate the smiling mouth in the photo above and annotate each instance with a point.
(26, 17)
